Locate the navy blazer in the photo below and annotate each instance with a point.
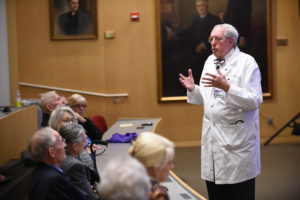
(47, 183)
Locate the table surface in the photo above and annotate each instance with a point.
(177, 189)
(12, 110)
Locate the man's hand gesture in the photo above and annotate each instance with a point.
(187, 82)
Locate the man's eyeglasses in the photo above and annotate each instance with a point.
(80, 105)
(217, 39)
(63, 140)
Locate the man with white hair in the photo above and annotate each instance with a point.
(124, 178)
(48, 102)
(47, 181)
(230, 91)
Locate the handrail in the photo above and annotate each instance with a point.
(76, 91)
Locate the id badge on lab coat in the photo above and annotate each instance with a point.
(218, 93)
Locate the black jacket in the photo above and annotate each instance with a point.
(47, 183)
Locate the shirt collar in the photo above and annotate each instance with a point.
(203, 16)
(57, 168)
(229, 55)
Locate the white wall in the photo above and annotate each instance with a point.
(4, 67)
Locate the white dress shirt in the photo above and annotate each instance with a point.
(230, 129)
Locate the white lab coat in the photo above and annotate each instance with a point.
(230, 129)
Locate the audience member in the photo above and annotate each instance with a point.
(47, 103)
(47, 180)
(65, 101)
(60, 116)
(64, 115)
(156, 153)
(124, 178)
(78, 103)
(75, 137)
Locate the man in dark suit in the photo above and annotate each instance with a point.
(75, 21)
(47, 180)
(197, 34)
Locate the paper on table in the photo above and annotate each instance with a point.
(125, 125)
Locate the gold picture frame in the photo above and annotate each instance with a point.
(173, 16)
(73, 19)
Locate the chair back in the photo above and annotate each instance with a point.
(100, 122)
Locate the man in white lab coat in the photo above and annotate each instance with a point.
(230, 91)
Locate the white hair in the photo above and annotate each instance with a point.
(230, 32)
(57, 115)
(124, 178)
(46, 98)
(40, 142)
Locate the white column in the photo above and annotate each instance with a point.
(4, 66)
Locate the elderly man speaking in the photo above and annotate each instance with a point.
(230, 91)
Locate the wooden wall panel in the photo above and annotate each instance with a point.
(16, 129)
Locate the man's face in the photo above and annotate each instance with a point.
(74, 5)
(59, 149)
(220, 45)
(201, 7)
(56, 101)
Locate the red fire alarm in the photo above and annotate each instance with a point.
(134, 16)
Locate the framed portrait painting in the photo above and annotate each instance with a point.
(73, 19)
(183, 30)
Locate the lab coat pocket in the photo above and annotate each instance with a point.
(233, 79)
(231, 136)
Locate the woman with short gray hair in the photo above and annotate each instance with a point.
(79, 173)
(60, 116)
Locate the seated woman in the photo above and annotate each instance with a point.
(65, 115)
(78, 103)
(75, 138)
(156, 153)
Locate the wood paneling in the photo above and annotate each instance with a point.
(16, 128)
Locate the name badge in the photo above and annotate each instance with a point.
(218, 93)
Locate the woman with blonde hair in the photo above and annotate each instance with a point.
(78, 103)
(156, 153)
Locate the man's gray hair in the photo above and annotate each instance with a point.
(72, 133)
(40, 142)
(124, 178)
(57, 115)
(230, 32)
(46, 98)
